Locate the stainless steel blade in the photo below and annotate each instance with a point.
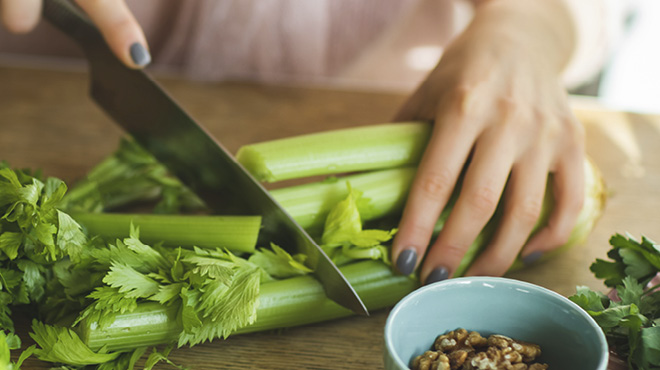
(161, 126)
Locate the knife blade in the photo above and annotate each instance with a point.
(139, 105)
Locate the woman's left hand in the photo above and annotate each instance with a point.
(498, 108)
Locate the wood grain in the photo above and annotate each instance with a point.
(48, 122)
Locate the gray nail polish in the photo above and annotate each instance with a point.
(438, 274)
(406, 262)
(140, 55)
(532, 257)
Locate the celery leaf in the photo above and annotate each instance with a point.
(344, 240)
(278, 263)
(130, 282)
(60, 344)
(70, 237)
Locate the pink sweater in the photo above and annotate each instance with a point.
(354, 43)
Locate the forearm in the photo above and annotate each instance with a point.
(543, 28)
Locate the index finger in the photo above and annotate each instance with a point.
(120, 30)
(438, 171)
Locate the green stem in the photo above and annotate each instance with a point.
(236, 233)
(309, 204)
(337, 151)
(282, 303)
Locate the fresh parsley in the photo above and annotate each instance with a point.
(630, 315)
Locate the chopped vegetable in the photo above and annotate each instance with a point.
(237, 233)
(383, 194)
(130, 175)
(34, 235)
(106, 301)
(338, 151)
(282, 303)
(294, 158)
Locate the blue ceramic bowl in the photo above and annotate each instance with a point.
(569, 338)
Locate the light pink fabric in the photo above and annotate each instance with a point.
(356, 43)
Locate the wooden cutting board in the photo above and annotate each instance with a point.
(48, 122)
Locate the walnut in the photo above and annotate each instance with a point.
(459, 339)
(457, 358)
(424, 361)
(528, 351)
(431, 360)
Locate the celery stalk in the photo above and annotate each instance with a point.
(337, 151)
(270, 161)
(282, 303)
(309, 204)
(236, 233)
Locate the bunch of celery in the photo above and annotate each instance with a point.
(114, 299)
(34, 235)
(384, 157)
(140, 292)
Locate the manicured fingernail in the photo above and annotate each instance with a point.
(140, 55)
(532, 257)
(406, 262)
(438, 274)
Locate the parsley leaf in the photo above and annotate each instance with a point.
(631, 318)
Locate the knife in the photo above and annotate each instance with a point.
(160, 125)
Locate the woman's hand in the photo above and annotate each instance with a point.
(113, 18)
(499, 107)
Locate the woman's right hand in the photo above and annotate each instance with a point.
(113, 18)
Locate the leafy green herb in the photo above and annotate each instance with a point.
(130, 175)
(63, 345)
(34, 235)
(278, 263)
(343, 238)
(630, 315)
(215, 290)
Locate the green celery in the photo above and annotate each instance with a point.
(338, 151)
(282, 303)
(309, 204)
(236, 233)
(131, 174)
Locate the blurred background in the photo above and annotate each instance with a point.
(628, 78)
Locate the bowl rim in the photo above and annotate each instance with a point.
(602, 341)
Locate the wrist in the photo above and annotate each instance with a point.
(537, 28)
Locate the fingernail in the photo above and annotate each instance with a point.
(438, 274)
(140, 55)
(532, 257)
(406, 261)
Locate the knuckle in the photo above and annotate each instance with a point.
(483, 200)
(454, 251)
(527, 211)
(436, 185)
(420, 231)
(511, 108)
(462, 97)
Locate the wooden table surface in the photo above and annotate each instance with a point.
(48, 122)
